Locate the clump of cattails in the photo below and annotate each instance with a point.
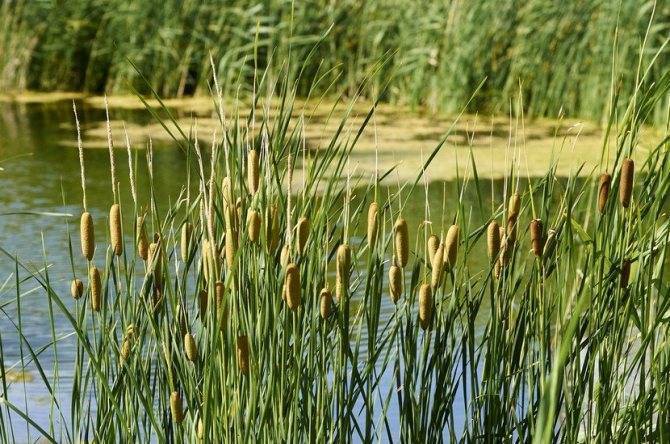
(292, 286)
(626, 182)
(325, 303)
(176, 407)
(302, 229)
(185, 244)
(373, 222)
(395, 283)
(190, 347)
(605, 183)
(625, 273)
(96, 288)
(431, 245)
(142, 241)
(243, 354)
(127, 343)
(253, 225)
(253, 175)
(401, 239)
(438, 267)
(87, 235)
(115, 235)
(536, 237)
(76, 288)
(425, 306)
(451, 246)
(343, 265)
(493, 240)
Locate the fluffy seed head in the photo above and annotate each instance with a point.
(87, 235)
(493, 240)
(626, 182)
(190, 347)
(115, 235)
(325, 303)
(425, 306)
(185, 244)
(605, 183)
(142, 241)
(292, 286)
(176, 407)
(432, 244)
(96, 289)
(243, 354)
(395, 283)
(451, 246)
(303, 233)
(76, 288)
(438, 267)
(536, 237)
(373, 216)
(253, 225)
(253, 175)
(401, 237)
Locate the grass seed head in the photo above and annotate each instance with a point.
(493, 240)
(76, 288)
(292, 286)
(115, 234)
(87, 235)
(605, 183)
(96, 289)
(395, 283)
(401, 237)
(425, 306)
(626, 182)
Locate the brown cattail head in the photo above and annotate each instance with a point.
(87, 235)
(185, 244)
(219, 292)
(190, 347)
(626, 182)
(254, 225)
(514, 206)
(231, 246)
(302, 229)
(325, 303)
(253, 175)
(142, 241)
(625, 273)
(395, 283)
(451, 246)
(425, 306)
(115, 236)
(96, 288)
(76, 288)
(605, 183)
(243, 354)
(431, 245)
(292, 286)
(493, 240)
(536, 237)
(401, 237)
(176, 407)
(438, 267)
(373, 222)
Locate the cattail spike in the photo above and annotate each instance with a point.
(176, 407)
(292, 287)
(96, 289)
(190, 347)
(438, 267)
(425, 306)
(626, 182)
(536, 237)
(451, 246)
(185, 244)
(625, 273)
(604, 186)
(142, 241)
(373, 216)
(303, 233)
(115, 229)
(431, 245)
(253, 225)
(493, 240)
(401, 242)
(76, 288)
(395, 283)
(325, 303)
(253, 174)
(343, 266)
(87, 235)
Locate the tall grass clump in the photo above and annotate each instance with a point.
(216, 319)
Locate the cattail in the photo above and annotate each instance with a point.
(432, 244)
(514, 206)
(451, 246)
(87, 235)
(190, 347)
(231, 247)
(253, 174)
(625, 273)
(253, 225)
(395, 283)
(76, 288)
(536, 237)
(626, 182)
(127, 344)
(285, 256)
(243, 354)
(604, 191)
(343, 265)
(303, 233)
(219, 292)
(202, 303)
(186, 231)
(401, 242)
(438, 267)
(292, 286)
(373, 216)
(425, 306)
(96, 289)
(325, 303)
(142, 241)
(493, 240)
(176, 407)
(115, 235)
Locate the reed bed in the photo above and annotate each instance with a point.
(216, 320)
